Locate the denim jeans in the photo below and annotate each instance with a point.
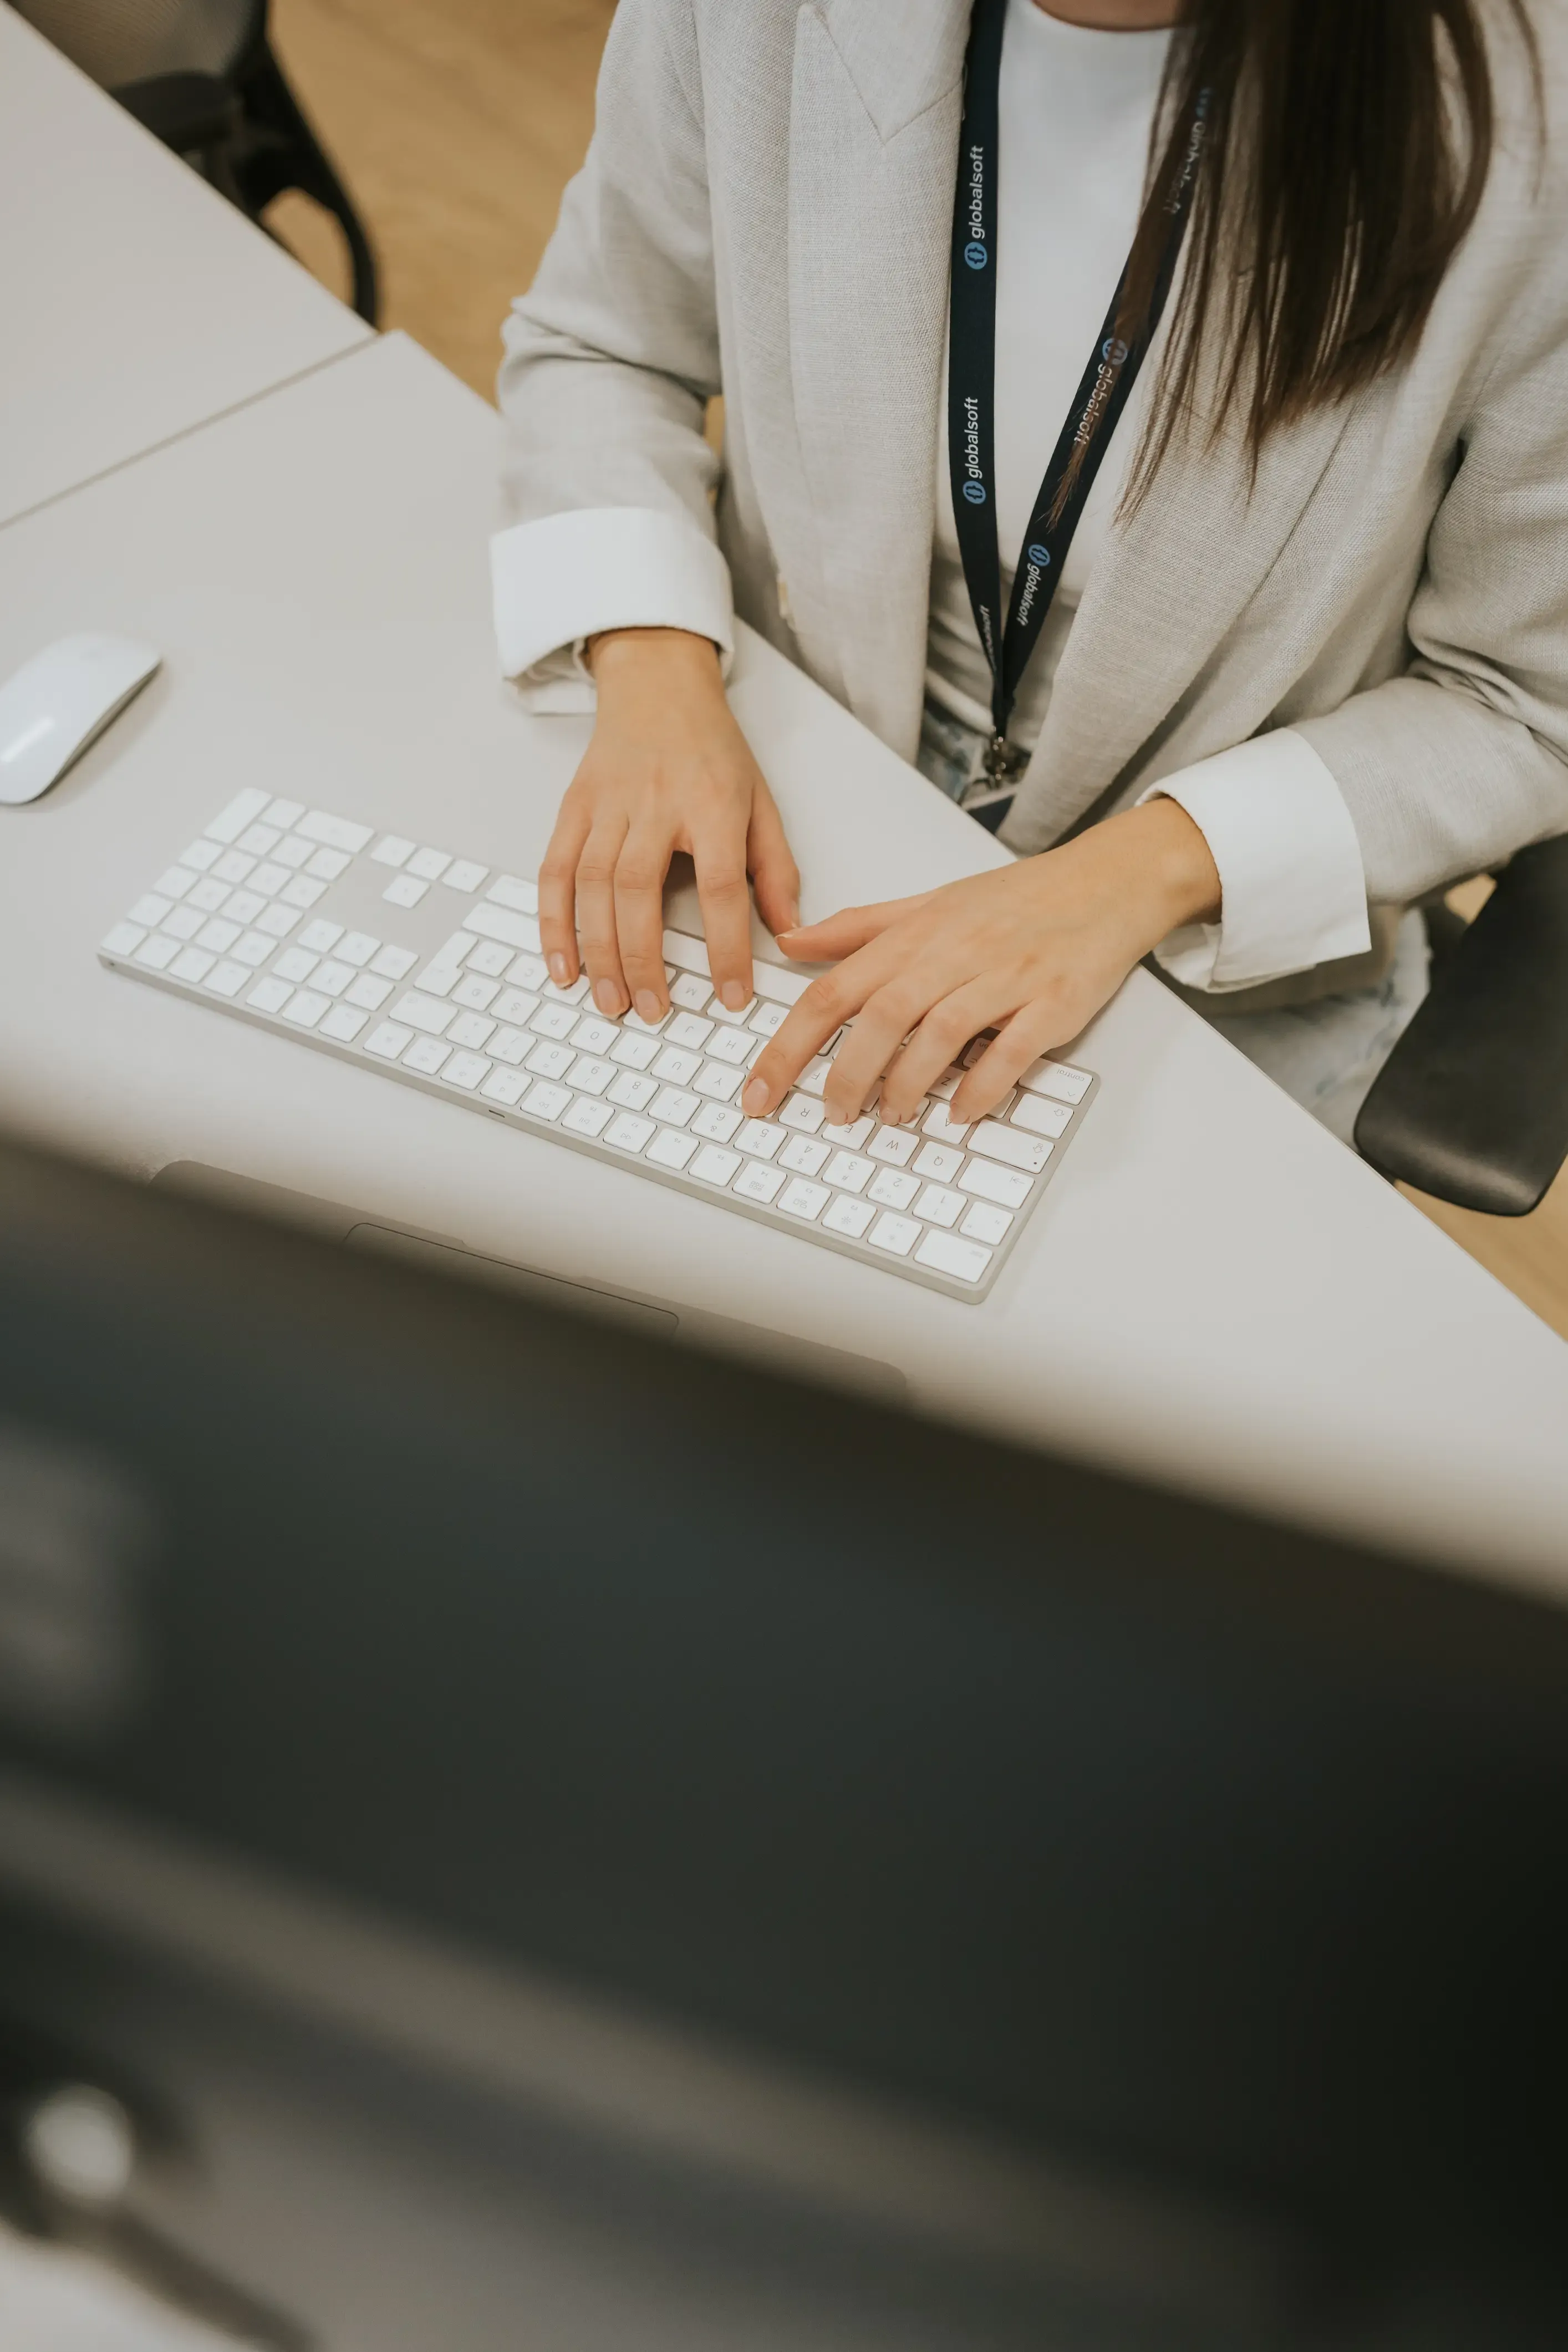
(1325, 1054)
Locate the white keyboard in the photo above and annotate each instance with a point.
(425, 968)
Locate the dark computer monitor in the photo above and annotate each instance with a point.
(557, 1842)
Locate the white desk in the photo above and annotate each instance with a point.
(135, 301)
(1213, 1288)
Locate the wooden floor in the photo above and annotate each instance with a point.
(457, 124)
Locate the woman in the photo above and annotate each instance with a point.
(1227, 569)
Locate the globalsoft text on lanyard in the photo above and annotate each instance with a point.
(1103, 393)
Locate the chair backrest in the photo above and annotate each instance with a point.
(119, 41)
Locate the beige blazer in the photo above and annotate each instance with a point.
(765, 212)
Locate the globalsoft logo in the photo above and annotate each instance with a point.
(976, 255)
(1038, 554)
(976, 493)
(1114, 350)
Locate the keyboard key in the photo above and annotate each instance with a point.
(429, 865)
(243, 810)
(629, 1133)
(814, 1077)
(803, 1156)
(302, 891)
(476, 992)
(465, 1070)
(758, 1182)
(393, 963)
(686, 954)
(368, 991)
(270, 995)
(305, 1007)
(853, 1137)
(893, 1146)
(192, 963)
(490, 956)
(939, 1161)
(945, 1254)
(403, 891)
(426, 1055)
(227, 979)
(219, 935)
(506, 1087)
(573, 995)
(293, 853)
(239, 906)
(389, 1040)
(632, 1091)
(994, 1141)
(253, 949)
(343, 1024)
(493, 922)
(718, 1011)
(939, 1207)
(516, 1006)
(425, 1013)
(717, 1122)
(463, 875)
(1056, 1078)
(184, 923)
(714, 1165)
(511, 1045)
(233, 866)
(1008, 1187)
(986, 1224)
(595, 1034)
(277, 921)
(438, 979)
(691, 991)
(589, 1074)
(261, 840)
(634, 1052)
(1041, 1116)
(848, 1215)
(685, 1029)
(471, 1030)
(847, 1172)
(672, 1149)
(768, 1020)
(322, 935)
(676, 1066)
(200, 855)
(393, 850)
(719, 1082)
(328, 864)
(265, 881)
(801, 1112)
(893, 1188)
(149, 910)
(211, 894)
(295, 964)
(758, 1138)
(124, 939)
(554, 1020)
(805, 1200)
(284, 813)
(588, 1117)
(785, 988)
(942, 1128)
(549, 1060)
(507, 890)
(545, 1100)
(645, 1028)
(673, 1106)
(335, 832)
(735, 1045)
(897, 1235)
(174, 883)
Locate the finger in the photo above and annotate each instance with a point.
(641, 870)
(938, 1042)
(558, 893)
(853, 927)
(1020, 1042)
(817, 1015)
(775, 877)
(719, 858)
(596, 913)
(883, 1024)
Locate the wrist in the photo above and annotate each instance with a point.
(1174, 853)
(640, 657)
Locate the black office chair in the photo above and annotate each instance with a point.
(1472, 1105)
(200, 76)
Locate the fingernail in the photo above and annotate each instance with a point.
(558, 971)
(607, 996)
(647, 1005)
(733, 995)
(755, 1098)
(794, 914)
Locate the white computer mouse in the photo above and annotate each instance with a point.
(51, 708)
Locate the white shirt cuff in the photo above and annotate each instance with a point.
(560, 580)
(1292, 884)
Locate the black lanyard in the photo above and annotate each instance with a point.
(1103, 395)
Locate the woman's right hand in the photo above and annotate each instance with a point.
(667, 769)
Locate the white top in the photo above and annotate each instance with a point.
(1076, 109)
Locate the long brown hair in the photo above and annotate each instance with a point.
(1344, 149)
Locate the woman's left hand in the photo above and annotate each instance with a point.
(1033, 952)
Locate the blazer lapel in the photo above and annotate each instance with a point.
(875, 110)
(1168, 588)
